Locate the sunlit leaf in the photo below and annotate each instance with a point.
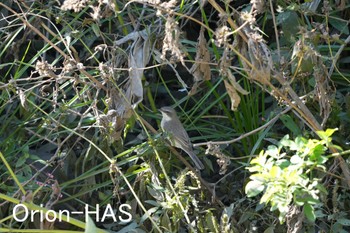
(273, 151)
(253, 188)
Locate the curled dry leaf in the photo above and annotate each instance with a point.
(323, 90)
(23, 99)
(121, 101)
(171, 41)
(234, 83)
(201, 69)
(232, 88)
(75, 5)
(258, 6)
(138, 59)
(235, 98)
(260, 58)
(169, 5)
(223, 161)
(257, 55)
(139, 56)
(112, 123)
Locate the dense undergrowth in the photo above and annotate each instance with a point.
(262, 88)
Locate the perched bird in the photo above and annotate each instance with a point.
(178, 136)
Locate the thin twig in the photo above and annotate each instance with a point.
(276, 31)
(336, 57)
(272, 121)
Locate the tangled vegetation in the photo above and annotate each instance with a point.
(261, 87)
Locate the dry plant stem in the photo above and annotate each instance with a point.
(276, 31)
(180, 157)
(272, 121)
(34, 29)
(229, 19)
(336, 57)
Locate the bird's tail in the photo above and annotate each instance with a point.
(199, 165)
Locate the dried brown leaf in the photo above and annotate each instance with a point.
(23, 99)
(232, 88)
(138, 58)
(234, 83)
(201, 69)
(324, 91)
(112, 123)
(171, 41)
(76, 5)
(235, 98)
(260, 58)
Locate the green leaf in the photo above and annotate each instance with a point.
(90, 226)
(340, 25)
(211, 222)
(307, 200)
(270, 229)
(322, 189)
(324, 135)
(245, 216)
(295, 159)
(273, 151)
(158, 195)
(290, 124)
(22, 160)
(253, 188)
(275, 172)
(286, 142)
(300, 142)
(269, 194)
(309, 212)
(290, 24)
(344, 221)
(132, 227)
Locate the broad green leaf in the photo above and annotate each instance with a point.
(324, 135)
(344, 221)
(165, 222)
(269, 194)
(273, 151)
(21, 160)
(245, 216)
(316, 152)
(309, 212)
(253, 188)
(340, 25)
(289, 21)
(270, 229)
(275, 171)
(290, 124)
(211, 222)
(132, 227)
(300, 142)
(295, 159)
(308, 200)
(261, 159)
(322, 188)
(90, 226)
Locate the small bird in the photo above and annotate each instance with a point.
(179, 138)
